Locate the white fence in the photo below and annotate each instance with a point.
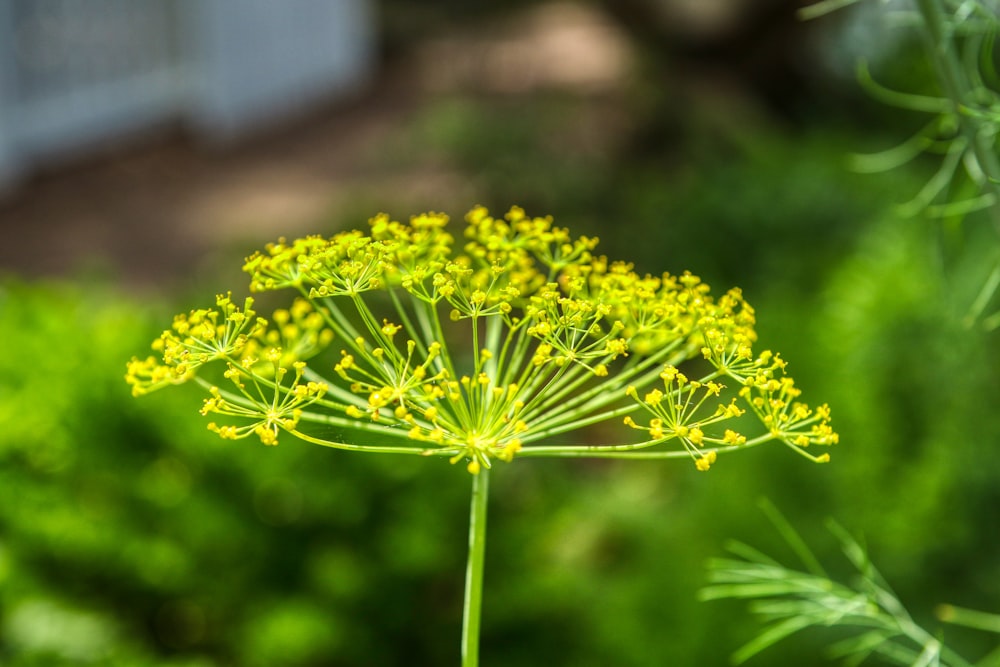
(77, 73)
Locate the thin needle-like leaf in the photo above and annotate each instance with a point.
(984, 296)
(938, 182)
(823, 8)
(936, 105)
(992, 659)
(897, 156)
(770, 637)
(792, 538)
(969, 618)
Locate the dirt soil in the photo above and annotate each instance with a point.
(156, 211)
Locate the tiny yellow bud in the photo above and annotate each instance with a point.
(615, 347)
(346, 362)
(266, 435)
(705, 462)
(731, 437)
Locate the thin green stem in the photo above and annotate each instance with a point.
(581, 422)
(474, 570)
(435, 322)
(629, 451)
(599, 396)
(377, 449)
(407, 323)
(494, 329)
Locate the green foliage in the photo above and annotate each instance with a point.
(793, 600)
(131, 536)
(145, 540)
(919, 381)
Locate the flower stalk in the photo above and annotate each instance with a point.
(472, 609)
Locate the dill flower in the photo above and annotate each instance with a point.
(481, 347)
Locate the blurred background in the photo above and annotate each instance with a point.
(147, 146)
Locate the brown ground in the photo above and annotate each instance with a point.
(155, 208)
(154, 212)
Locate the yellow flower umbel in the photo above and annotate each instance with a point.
(482, 348)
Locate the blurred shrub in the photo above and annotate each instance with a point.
(914, 388)
(917, 391)
(131, 535)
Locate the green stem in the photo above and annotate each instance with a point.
(377, 449)
(474, 569)
(629, 451)
(563, 426)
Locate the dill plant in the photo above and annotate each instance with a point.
(499, 345)
(962, 121)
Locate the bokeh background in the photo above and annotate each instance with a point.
(147, 146)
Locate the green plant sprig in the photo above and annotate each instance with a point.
(792, 600)
(964, 129)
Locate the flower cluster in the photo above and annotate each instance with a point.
(482, 347)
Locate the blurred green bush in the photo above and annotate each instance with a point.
(131, 535)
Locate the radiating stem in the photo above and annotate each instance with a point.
(474, 569)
